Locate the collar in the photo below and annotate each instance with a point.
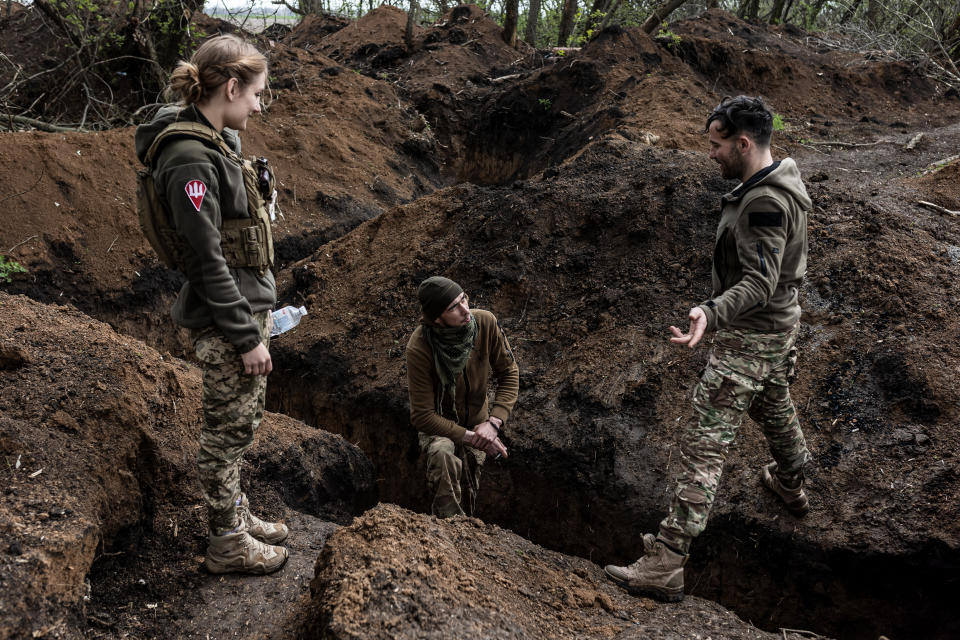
(754, 179)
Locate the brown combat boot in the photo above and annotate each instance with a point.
(239, 552)
(659, 573)
(795, 499)
(269, 532)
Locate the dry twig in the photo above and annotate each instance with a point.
(938, 208)
(829, 143)
(800, 632)
(10, 250)
(914, 141)
(39, 178)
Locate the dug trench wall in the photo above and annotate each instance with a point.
(586, 266)
(398, 575)
(596, 244)
(98, 445)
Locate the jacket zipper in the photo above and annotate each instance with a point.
(466, 397)
(763, 263)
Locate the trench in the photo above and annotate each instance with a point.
(572, 503)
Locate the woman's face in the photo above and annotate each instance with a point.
(243, 101)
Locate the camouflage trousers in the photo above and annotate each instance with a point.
(453, 475)
(232, 410)
(749, 372)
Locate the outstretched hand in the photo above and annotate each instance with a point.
(698, 325)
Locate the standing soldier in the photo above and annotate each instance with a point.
(449, 360)
(759, 261)
(211, 219)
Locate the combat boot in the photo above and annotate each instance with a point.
(795, 499)
(239, 552)
(269, 532)
(659, 573)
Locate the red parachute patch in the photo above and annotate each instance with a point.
(195, 191)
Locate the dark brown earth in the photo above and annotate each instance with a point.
(574, 200)
(103, 525)
(466, 579)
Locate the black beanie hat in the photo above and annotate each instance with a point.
(435, 294)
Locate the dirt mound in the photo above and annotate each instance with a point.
(337, 141)
(308, 33)
(380, 31)
(942, 186)
(98, 437)
(800, 78)
(586, 268)
(396, 574)
(596, 239)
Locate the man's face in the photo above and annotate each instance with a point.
(726, 152)
(457, 313)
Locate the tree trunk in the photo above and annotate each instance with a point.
(310, 7)
(813, 12)
(566, 22)
(852, 9)
(612, 11)
(533, 17)
(787, 9)
(776, 12)
(660, 14)
(510, 20)
(873, 13)
(593, 18)
(411, 18)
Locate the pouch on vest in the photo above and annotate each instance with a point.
(245, 242)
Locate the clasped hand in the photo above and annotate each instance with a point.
(484, 437)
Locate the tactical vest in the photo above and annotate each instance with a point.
(245, 242)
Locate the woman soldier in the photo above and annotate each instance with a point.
(219, 236)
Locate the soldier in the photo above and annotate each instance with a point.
(759, 261)
(450, 357)
(222, 243)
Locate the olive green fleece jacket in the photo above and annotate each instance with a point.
(214, 294)
(760, 256)
(491, 354)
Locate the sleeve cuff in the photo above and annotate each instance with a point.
(709, 309)
(248, 345)
(501, 413)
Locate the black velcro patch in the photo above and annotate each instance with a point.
(766, 218)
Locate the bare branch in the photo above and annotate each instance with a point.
(43, 126)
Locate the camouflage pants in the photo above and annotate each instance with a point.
(232, 410)
(748, 372)
(453, 475)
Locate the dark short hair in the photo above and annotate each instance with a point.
(746, 115)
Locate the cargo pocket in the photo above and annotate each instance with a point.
(715, 390)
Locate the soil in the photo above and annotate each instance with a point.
(398, 574)
(570, 195)
(102, 528)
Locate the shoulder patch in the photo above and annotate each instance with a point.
(766, 218)
(196, 189)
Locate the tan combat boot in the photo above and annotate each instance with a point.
(659, 573)
(239, 552)
(795, 499)
(269, 532)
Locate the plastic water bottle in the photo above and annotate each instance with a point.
(286, 319)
